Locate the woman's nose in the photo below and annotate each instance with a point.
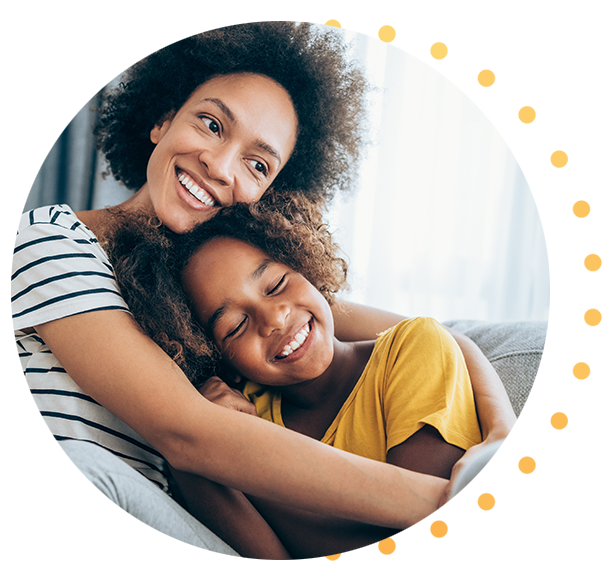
(220, 164)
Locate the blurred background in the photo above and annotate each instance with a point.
(443, 223)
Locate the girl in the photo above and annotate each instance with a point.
(260, 283)
(212, 120)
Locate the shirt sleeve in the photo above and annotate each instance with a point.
(427, 382)
(59, 269)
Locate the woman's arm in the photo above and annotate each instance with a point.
(113, 361)
(494, 410)
(495, 413)
(358, 322)
(496, 416)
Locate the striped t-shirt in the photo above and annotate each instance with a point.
(59, 269)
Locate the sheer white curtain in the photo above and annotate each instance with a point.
(444, 224)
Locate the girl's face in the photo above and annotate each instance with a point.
(270, 324)
(226, 144)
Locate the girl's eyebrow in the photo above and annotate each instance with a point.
(213, 321)
(261, 269)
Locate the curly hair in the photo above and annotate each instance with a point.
(148, 260)
(327, 88)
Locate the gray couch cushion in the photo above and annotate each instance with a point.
(513, 348)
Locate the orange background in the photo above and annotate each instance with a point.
(539, 82)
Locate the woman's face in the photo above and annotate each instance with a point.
(270, 324)
(226, 144)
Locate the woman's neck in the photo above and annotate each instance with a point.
(99, 220)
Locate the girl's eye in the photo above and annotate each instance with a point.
(258, 166)
(211, 124)
(236, 329)
(277, 286)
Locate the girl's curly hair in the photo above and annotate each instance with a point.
(327, 88)
(148, 260)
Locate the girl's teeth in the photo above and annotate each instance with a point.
(299, 339)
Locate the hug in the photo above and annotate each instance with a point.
(121, 353)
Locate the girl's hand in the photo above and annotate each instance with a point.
(469, 466)
(218, 392)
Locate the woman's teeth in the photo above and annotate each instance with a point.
(299, 339)
(195, 190)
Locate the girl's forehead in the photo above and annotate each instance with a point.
(224, 257)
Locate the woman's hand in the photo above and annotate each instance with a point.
(469, 466)
(218, 392)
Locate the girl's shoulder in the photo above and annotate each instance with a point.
(412, 328)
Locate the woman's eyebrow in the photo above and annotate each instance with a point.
(272, 151)
(260, 144)
(223, 107)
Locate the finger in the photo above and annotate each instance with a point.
(244, 406)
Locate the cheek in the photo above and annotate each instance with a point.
(243, 359)
(248, 192)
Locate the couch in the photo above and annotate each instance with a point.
(513, 348)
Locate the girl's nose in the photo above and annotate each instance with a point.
(273, 317)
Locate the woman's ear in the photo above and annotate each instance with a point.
(158, 131)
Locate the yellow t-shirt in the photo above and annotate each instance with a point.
(416, 375)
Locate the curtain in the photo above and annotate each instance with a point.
(444, 223)
(72, 173)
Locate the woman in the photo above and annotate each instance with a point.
(207, 122)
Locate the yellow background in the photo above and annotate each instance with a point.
(539, 82)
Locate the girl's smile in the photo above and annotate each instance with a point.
(270, 324)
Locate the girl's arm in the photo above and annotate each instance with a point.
(113, 361)
(230, 515)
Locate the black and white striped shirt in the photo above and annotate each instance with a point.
(59, 269)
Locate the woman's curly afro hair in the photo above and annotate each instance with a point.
(148, 260)
(311, 62)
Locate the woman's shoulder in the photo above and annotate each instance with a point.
(53, 229)
(57, 216)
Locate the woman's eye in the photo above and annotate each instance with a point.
(258, 166)
(277, 286)
(211, 124)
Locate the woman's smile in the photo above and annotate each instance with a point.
(203, 194)
(226, 144)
